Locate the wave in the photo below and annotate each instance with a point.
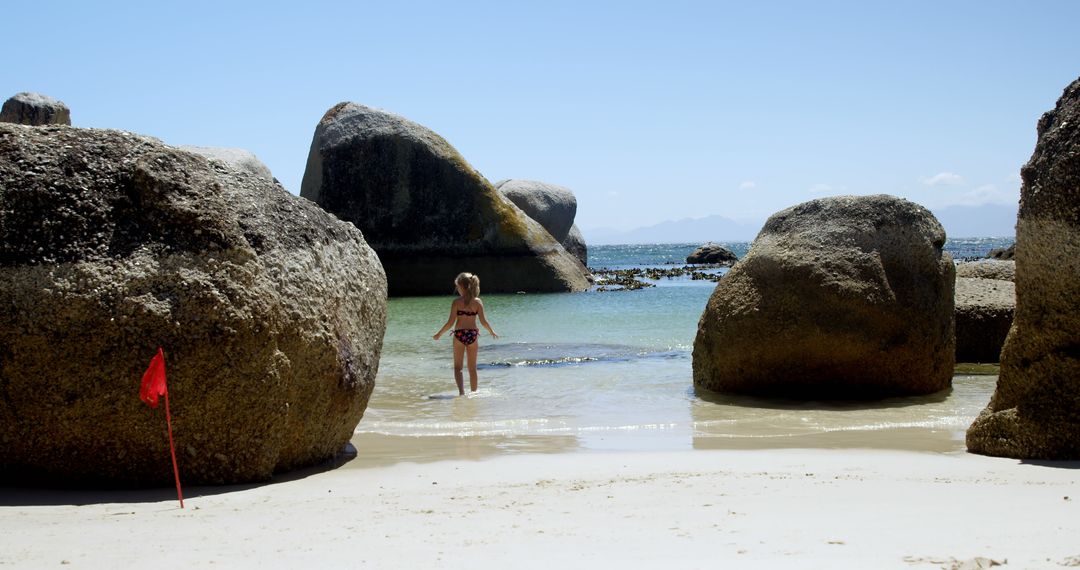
(544, 427)
(568, 354)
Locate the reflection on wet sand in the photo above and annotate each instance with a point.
(901, 439)
(470, 428)
(936, 422)
(378, 450)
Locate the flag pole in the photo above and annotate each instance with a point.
(172, 449)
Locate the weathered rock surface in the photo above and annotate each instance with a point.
(984, 313)
(426, 211)
(712, 253)
(554, 207)
(575, 244)
(1035, 410)
(1003, 253)
(838, 297)
(1004, 270)
(242, 160)
(271, 313)
(35, 109)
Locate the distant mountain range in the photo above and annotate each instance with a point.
(989, 220)
(688, 230)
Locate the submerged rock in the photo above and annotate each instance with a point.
(984, 313)
(1035, 410)
(35, 109)
(631, 279)
(712, 253)
(848, 297)
(427, 213)
(271, 313)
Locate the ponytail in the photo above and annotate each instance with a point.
(474, 286)
(469, 284)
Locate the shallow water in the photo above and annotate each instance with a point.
(612, 371)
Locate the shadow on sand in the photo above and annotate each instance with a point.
(30, 495)
(790, 403)
(1054, 463)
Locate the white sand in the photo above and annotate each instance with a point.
(696, 509)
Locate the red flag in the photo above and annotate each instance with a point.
(153, 380)
(153, 385)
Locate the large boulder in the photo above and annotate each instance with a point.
(238, 158)
(712, 253)
(575, 244)
(1004, 270)
(847, 297)
(1035, 410)
(984, 313)
(35, 109)
(427, 213)
(271, 313)
(554, 207)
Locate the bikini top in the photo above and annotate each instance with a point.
(466, 313)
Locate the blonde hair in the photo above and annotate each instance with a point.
(470, 284)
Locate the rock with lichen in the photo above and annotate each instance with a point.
(553, 207)
(426, 211)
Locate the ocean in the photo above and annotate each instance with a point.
(598, 371)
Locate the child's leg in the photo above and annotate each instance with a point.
(459, 356)
(472, 350)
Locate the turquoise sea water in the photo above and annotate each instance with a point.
(612, 370)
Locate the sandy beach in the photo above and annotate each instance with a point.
(805, 508)
(748, 282)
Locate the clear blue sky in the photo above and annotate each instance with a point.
(648, 111)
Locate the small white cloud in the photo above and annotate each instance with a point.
(612, 193)
(821, 189)
(747, 185)
(944, 179)
(989, 194)
(980, 196)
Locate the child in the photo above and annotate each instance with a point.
(465, 310)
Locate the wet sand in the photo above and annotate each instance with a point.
(377, 450)
(934, 423)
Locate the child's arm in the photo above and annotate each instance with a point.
(449, 323)
(483, 319)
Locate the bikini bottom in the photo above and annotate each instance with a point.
(466, 336)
